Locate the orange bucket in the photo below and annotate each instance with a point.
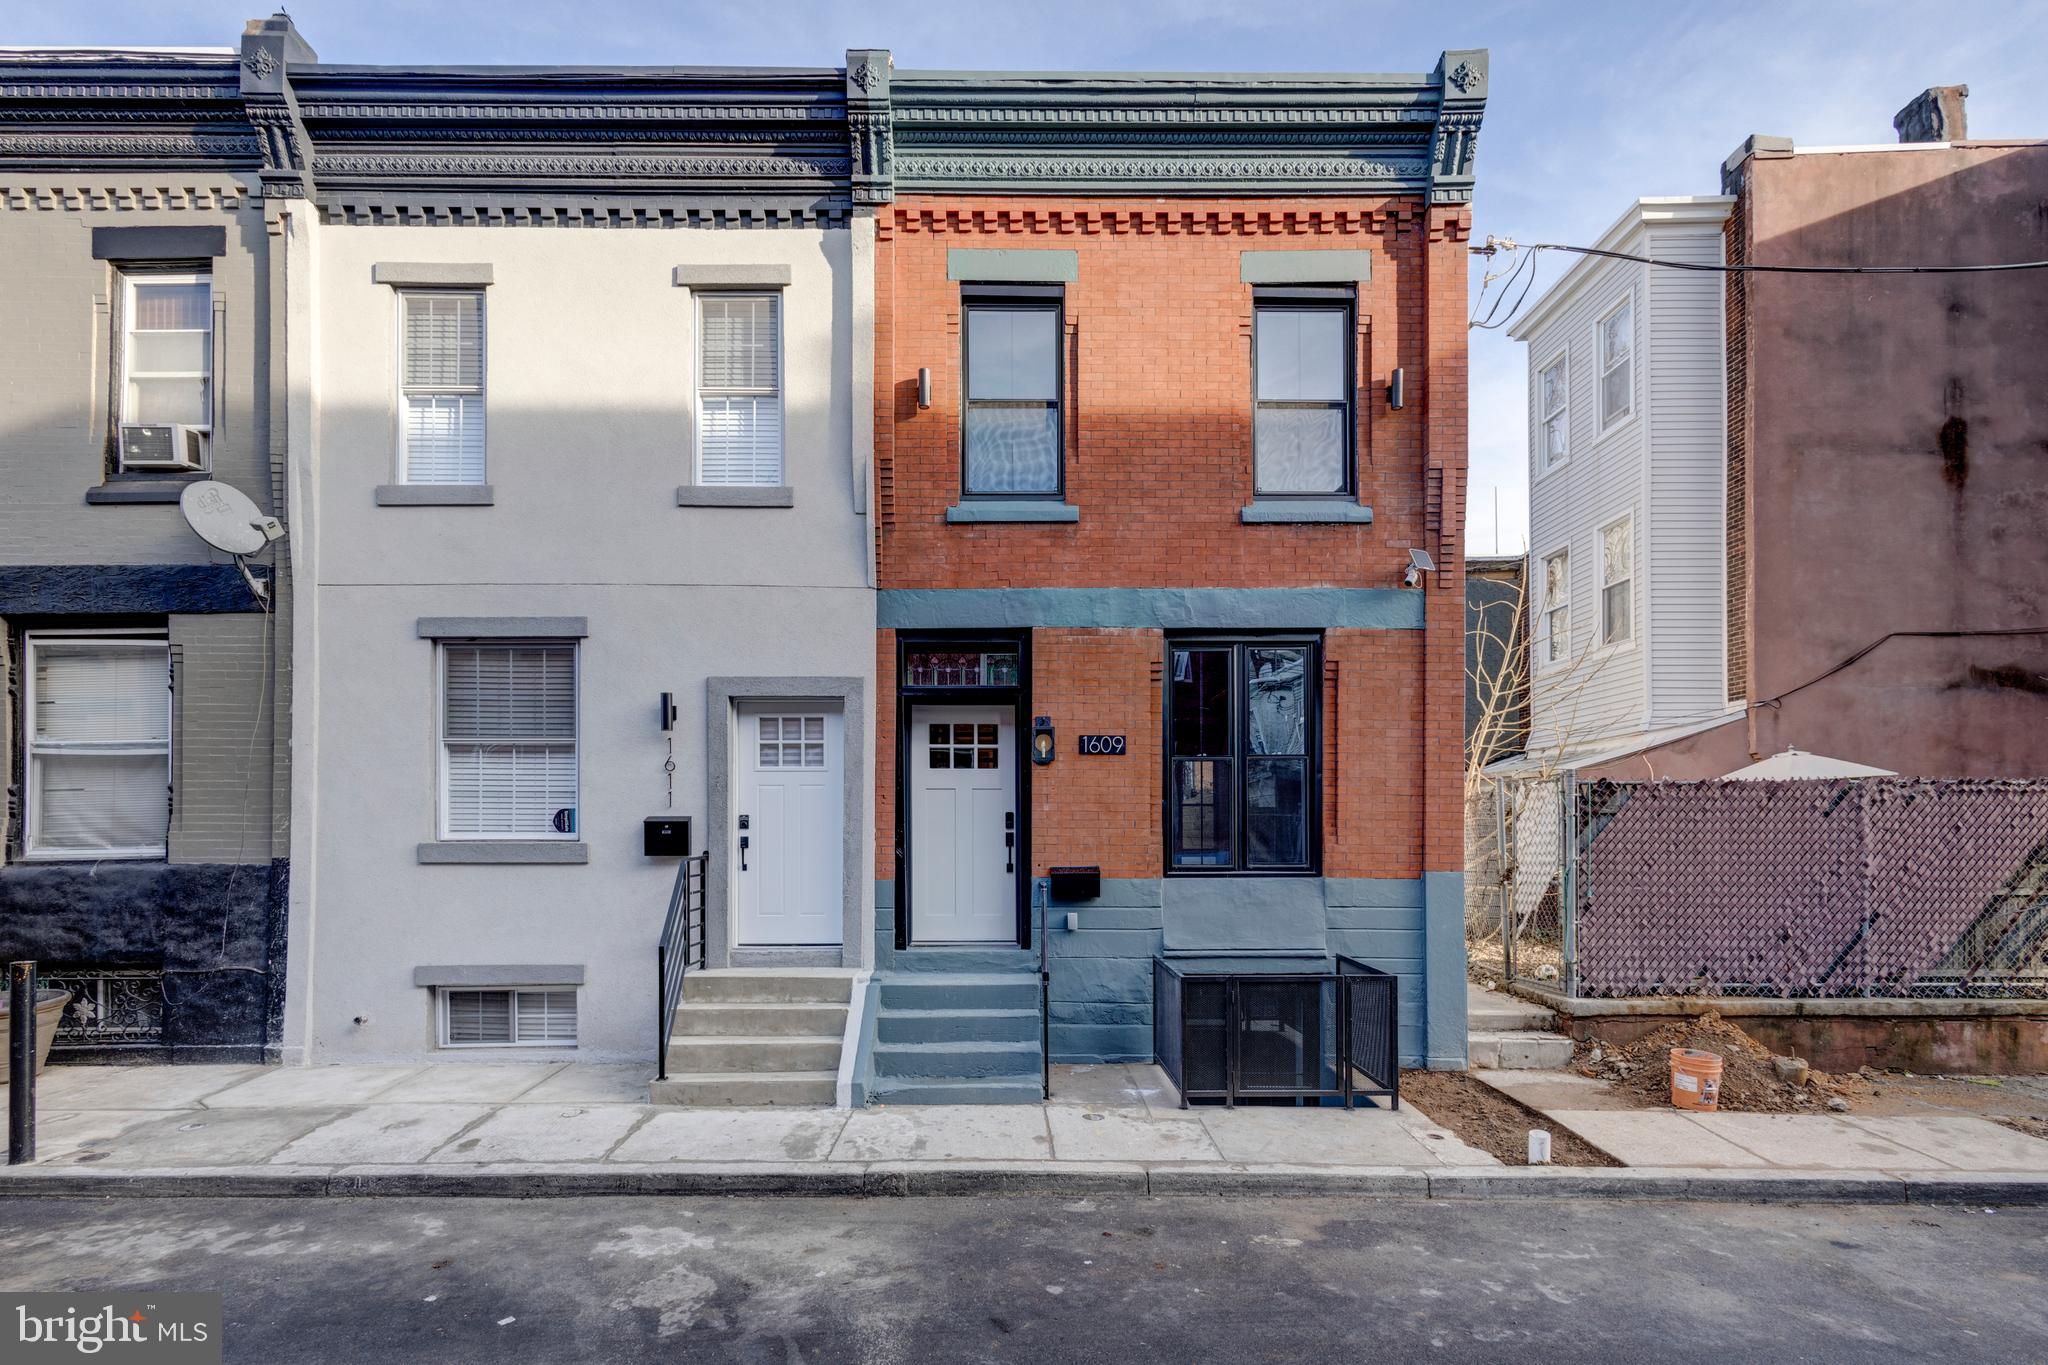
(1695, 1078)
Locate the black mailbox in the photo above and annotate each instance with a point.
(1076, 883)
(666, 836)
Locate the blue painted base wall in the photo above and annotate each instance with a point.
(1100, 993)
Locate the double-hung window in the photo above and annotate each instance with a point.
(1012, 430)
(1302, 418)
(1553, 434)
(98, 727)
(1242, 778)
(508, 740)
(441, 386)
(1617, 364)
(1557, 606)
(739, 389)
(1617, 581)
(166, 369)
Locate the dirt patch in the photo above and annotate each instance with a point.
(1750, 1084)
(2032, 1127)
(1490, 1121)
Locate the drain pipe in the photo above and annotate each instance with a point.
(1041, 900)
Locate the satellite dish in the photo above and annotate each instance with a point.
(224, 517)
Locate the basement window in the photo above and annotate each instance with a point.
(513, 1017)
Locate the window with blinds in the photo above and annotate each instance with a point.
(167, 350)
(508, 1018)
(739, 389)
(98, 727)
(441, 386)
(508, 741)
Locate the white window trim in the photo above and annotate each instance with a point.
(441, 994)
(400, 474)
(698, 296)
(441, 833)
(1544, 661)
(1541, 470)
(1600, 579)
(31, 786)
(1601, 369)
(129, 280)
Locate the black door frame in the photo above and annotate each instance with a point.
(1018, 698)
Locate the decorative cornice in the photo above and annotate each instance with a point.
(129, 146)
(1193, 172)
(565, 111)
(540, 167)
(486, 209)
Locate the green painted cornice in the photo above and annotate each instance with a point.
(989, 132)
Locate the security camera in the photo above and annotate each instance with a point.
(1419, 563)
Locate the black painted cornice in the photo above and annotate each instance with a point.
(122, 111)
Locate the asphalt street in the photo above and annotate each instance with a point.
(1045, 1279)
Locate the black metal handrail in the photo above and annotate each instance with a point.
(1201, 1020)
(681, 948)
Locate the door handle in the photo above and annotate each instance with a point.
(743, 853)
(1010, 851)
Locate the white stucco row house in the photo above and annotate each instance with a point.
(578, 430)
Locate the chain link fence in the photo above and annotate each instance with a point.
(1877, 887)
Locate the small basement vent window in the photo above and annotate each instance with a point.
(508, 1018)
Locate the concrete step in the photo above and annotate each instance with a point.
(1516, 1051)
(960, 991)
(965, 960)
(699, 1018)
(1017, 1090)
(746, 1089)
(957, 1061)
(726, 1054)
(1498, 1012)
(784, 987)
(956, 1026)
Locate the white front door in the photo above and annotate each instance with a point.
(787, 846)
(963, 835)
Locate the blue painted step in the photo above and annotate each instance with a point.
(956, 1026)
(1018, 1090)
(958, 1061)
(959, 991)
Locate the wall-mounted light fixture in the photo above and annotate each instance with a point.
(1043, 745)
(924, 387)
(1419, 563)
(667, 714)
(1397, 389)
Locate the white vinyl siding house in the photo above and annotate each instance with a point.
(1625, 478)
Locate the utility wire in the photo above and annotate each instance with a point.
(1872, 648)
(1509, 244)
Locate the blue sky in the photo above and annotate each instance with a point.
(1592, 104)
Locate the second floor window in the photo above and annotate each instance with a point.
(1011, 430)
(1617, 581)
(1617, 364)
(1550, 406)
(1557, 606)
(739, 389)
(1301, 424)
(441, 386)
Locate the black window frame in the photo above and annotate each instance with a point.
(1031, 298)
(1240, 644)
(1339, 299)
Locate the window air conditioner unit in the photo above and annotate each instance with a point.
(174, 447)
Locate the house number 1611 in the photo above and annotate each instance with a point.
(1102, 744)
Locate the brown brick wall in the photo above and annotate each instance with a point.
(1736, 235)
(1159, 463)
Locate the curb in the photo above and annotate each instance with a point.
(818, 1180)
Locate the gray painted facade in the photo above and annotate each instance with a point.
(85, 547)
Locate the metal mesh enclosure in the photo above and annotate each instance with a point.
(1256, 1037)
(1370, 1014)
(1285, 1028)
(1872, 887)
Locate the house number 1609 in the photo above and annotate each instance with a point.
(1102, 744)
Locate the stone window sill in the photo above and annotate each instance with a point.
(139, 491)
(731, 495)
(1306, 511)
(1042, 512)
(505, 851)
(436, 495)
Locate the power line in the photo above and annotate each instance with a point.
(1494, 244)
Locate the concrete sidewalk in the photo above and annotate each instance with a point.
(522, 1130)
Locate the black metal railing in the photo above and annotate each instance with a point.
(681, 948)
(1235, 1036)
